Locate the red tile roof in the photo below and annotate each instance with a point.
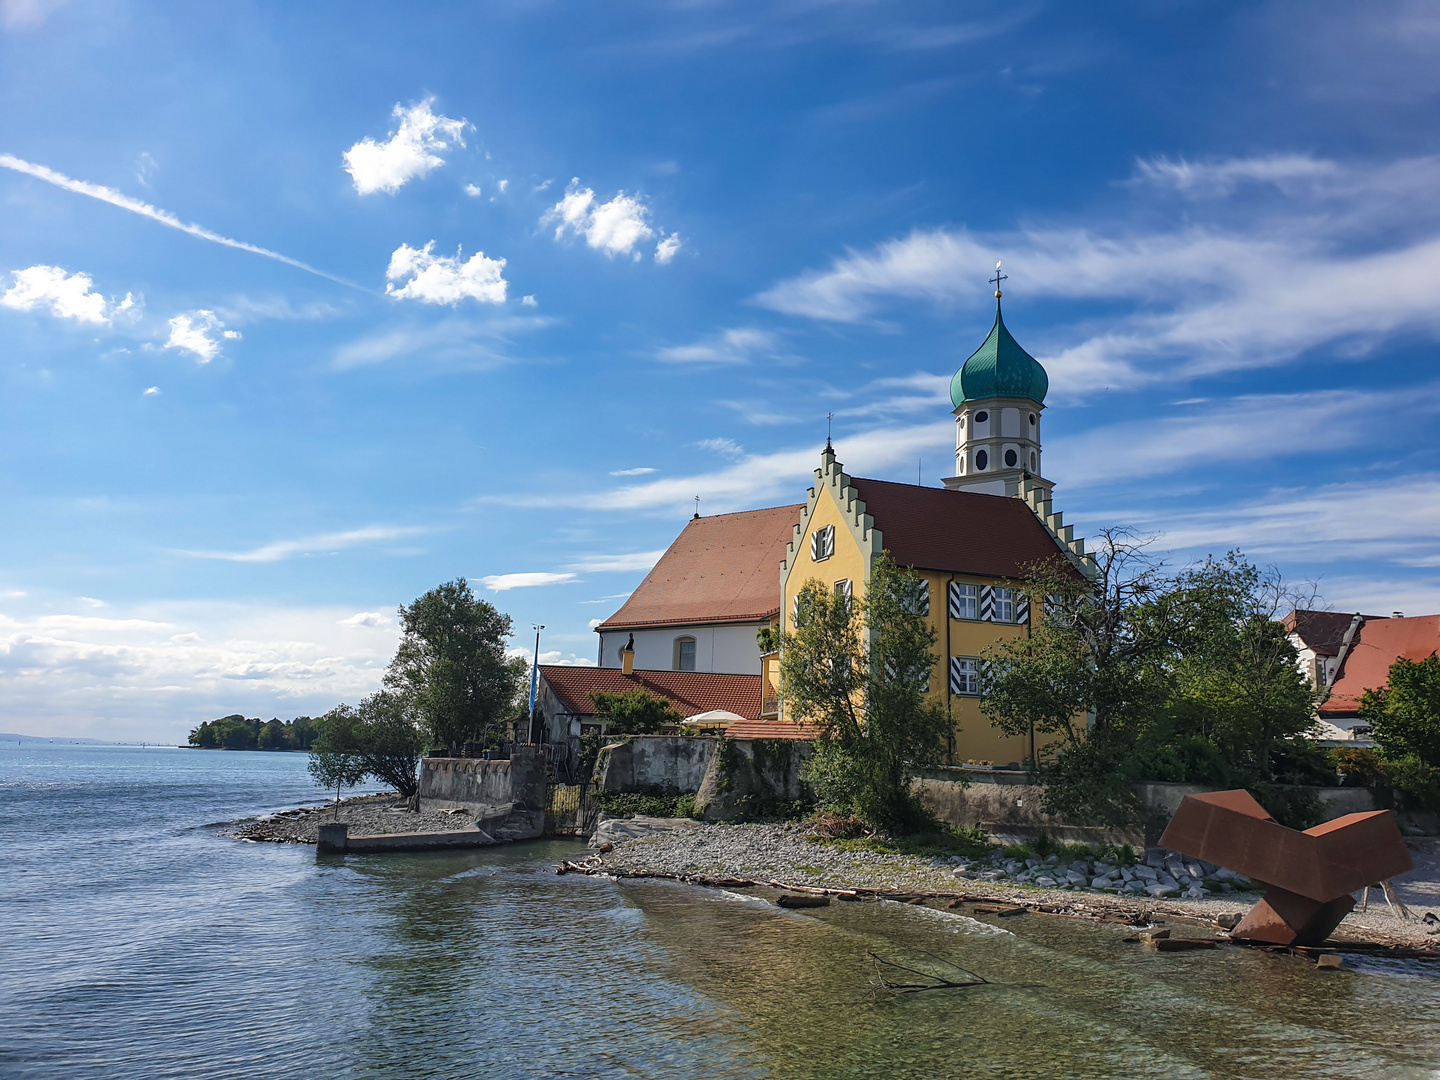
(1321, 631)
(956, 531)
(720, 569)
(769, 729)
(1374, 648)
(691, 692)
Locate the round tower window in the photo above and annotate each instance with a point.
(962, 421)
(1032, 459)
(981, 460)
(1010, 459)
(981, 416)
(1032, 419)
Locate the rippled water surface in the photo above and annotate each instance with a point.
(138, 944)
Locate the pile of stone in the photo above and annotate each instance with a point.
(1162, 874)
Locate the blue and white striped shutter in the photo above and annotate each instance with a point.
(1022, 608)
(957, 675)
(987, 603)
(795, 612)
(817, 545)
(983, 676)
(846, 588)
(954, 600)
(1052, 606)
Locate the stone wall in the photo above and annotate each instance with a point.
(508, 795)
(665, 761)
(753, 775)
(1006, 805)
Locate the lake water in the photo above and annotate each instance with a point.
(137, 943)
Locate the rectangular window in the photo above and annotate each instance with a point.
(964, 675)
(685, 654)
(964, 601)
(1005, 605)
(822, 543)
(844, 588)
(920, 678)
(915, 596)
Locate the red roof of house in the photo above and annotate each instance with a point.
(691, 692)
(1374, 648)
(721, 569)
(1321, 631)
(769, 729)
(956, 531)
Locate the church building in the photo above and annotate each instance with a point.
(971, 540)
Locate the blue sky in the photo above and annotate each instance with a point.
(304, 310)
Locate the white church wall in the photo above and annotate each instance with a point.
(728, 649)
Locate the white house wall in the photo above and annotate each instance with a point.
(729, 649)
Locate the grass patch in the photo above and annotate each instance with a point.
(651, 801)
(942, 842)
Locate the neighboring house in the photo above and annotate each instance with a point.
(567, 710)
(699, 609)
(1319, 637)
(1363, 663)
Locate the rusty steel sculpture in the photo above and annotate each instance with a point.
(1308, 876)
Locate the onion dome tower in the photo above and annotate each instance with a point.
(998, 396)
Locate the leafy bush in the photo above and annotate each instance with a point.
(937, 843)
(1294, 807)
(634, 712)
(650, 801)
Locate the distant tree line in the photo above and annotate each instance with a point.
(237, 732)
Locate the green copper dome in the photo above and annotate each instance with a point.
(999, 368)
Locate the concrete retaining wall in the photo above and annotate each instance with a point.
(667, 761)
(1006, 804)
(508, 797)
(752, 776)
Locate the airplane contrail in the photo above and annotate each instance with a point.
(154, 213)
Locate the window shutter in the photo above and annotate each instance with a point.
(822, 543)
(987, 603)
(1022, 608)
(795, 612)
(982, 679)
(957, 603)
(844, 587)
(815, 546)
(829, 531)
(957, 676)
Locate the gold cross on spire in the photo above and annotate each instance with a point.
(999, 277)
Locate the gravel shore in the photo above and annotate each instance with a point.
(367, 815)
(790, 853)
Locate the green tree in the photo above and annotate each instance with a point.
(272, 736)
(1404, 715)
(336, 756)
(634, 712)
(383, 732)
(451, 665)
(860, 670)
(301, 733)
(1146, 675)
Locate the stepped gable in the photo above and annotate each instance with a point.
(691, 692)
(1375, 647)
(719, 569)
(1322, 631)
(956, 531)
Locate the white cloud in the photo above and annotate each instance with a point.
(1248, 428)
(724, 447)
(473, 190)
(324, 544)
(374, 619)
(472, 344)
(412, 150)
(614, 227)
(502, 185)
(69, 296)
(154, 671)
(21, 14)
(640, 471)
(528, 301)
(505, 582)
(151, 391)
(163, 217)
(758, 477)
(667, 247)
(736, 345)
(439, 279)
(617, 564)
(195, 333)
(595, 622)
(1223, 176)
(1327, 270)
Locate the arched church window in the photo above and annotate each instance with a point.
(1032, 460)
(981, 416)
(962, 423)
(981, 460)
(1010, 459)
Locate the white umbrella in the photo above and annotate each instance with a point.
(719, 718)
